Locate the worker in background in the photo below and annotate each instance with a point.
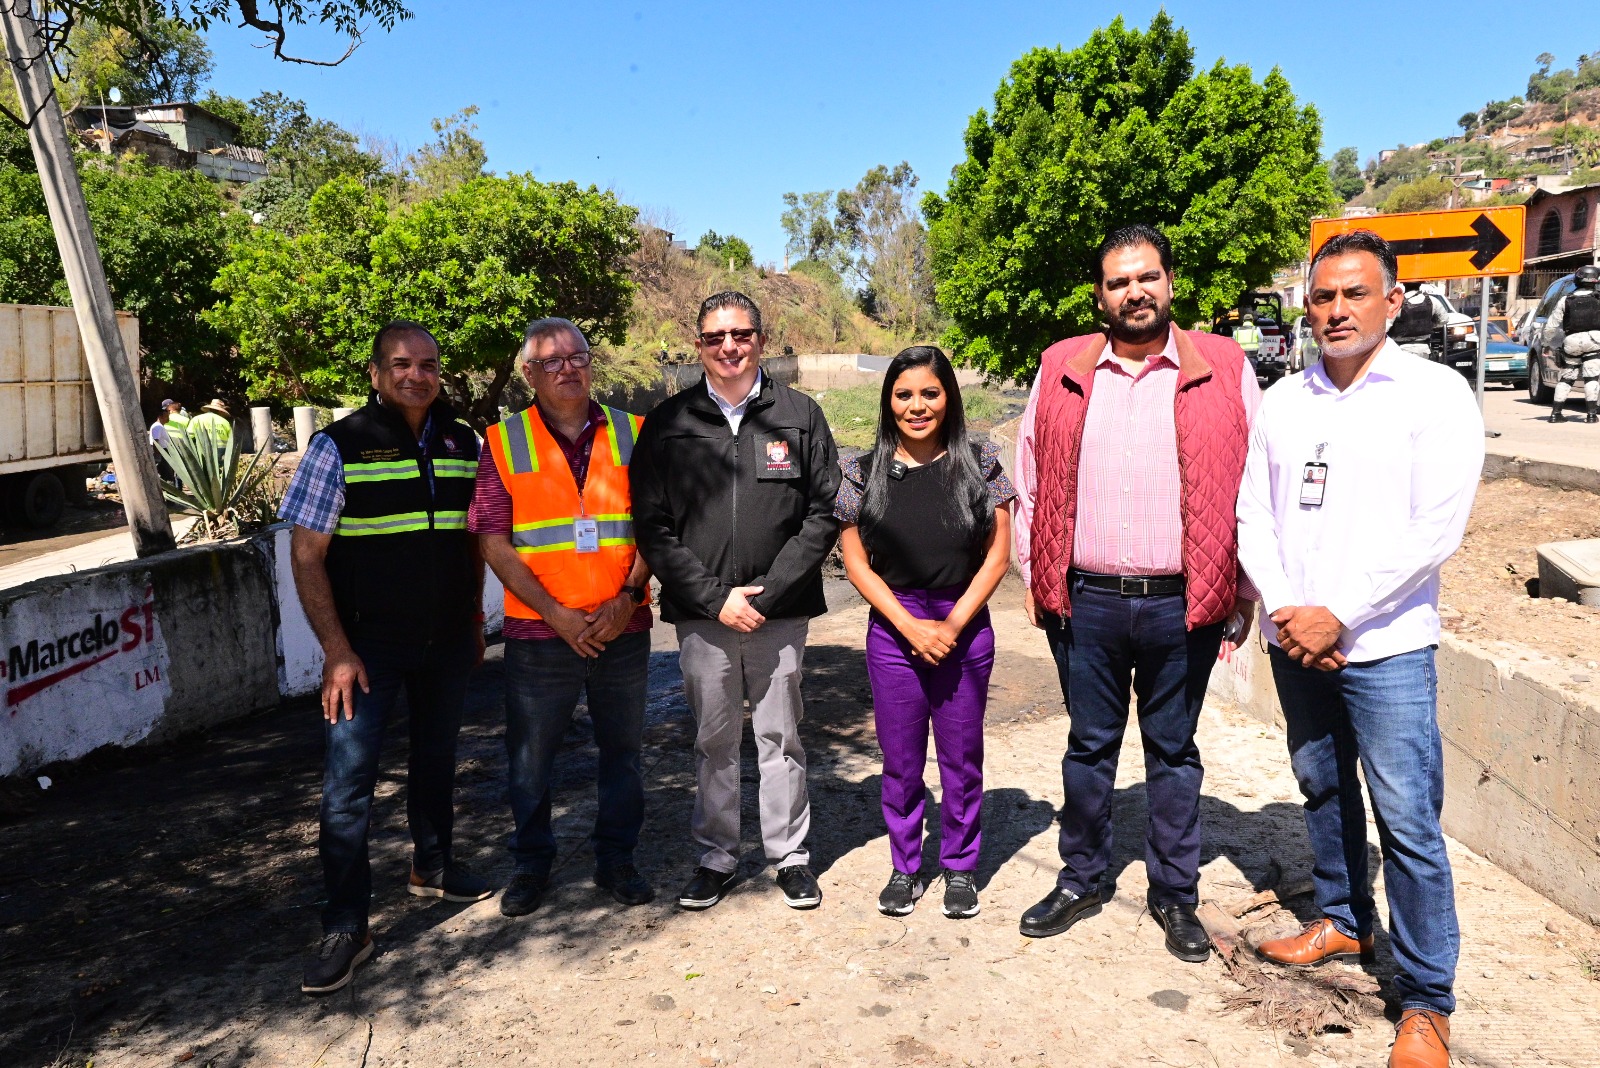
(159, 436)
(1574, 333)
(1420, 324)
(1248, 336)
(214, 420)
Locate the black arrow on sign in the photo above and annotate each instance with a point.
(1485, 243)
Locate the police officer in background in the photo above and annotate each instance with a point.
(1248, 336)
(393, 586)
(1419, 326)
(1574, 333)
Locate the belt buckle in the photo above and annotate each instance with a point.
(1133, 585)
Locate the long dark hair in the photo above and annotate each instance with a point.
(964, 480)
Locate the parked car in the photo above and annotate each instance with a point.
(1544, 366)
(1303, 350)
(1505, 359)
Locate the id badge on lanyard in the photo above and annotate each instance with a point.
(1314, 480)
(586, 534)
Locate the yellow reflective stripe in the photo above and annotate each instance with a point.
(623, 434)
(382, 524)
(519, 443)
(455, 468)
(450, 520)
(388, 470)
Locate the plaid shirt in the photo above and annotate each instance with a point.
(315, 497)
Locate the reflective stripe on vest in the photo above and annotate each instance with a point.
(387, 471)
(548, 535)
(519, 443)
(386, 524)
(622, 436)
(447, 468)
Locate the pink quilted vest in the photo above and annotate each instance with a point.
(1213, 436)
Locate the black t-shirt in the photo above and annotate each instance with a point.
(918, 545)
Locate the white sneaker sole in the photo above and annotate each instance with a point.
(967, 915)
(439, 892)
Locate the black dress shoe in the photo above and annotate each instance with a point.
(1186, 939)
(1059, 910)
(626, 884)
(523, 894)
(704, 890)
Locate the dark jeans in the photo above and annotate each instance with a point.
(1382, 714)
(434, 676)
(1109, 643)
(544, 679)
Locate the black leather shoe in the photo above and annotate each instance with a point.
(704, 890)
(625, 884)
(1059, 910)
(523, 894)
(1186, 939)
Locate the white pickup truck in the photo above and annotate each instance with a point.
(49, 421)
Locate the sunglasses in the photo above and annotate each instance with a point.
(716, 337)
(578, 360)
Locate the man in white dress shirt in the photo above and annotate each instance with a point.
(1360, 478)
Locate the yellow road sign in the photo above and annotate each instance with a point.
(1430, 245)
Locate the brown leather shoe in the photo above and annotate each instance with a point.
(1320, 941)
(1421, 1041)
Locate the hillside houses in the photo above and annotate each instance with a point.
(180, 135)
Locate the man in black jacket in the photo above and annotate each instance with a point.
(733, 489)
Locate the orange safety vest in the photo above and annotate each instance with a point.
(546, 505)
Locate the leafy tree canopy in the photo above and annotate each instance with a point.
(1117, 131)
(453, 158)
(1344, 171)
(475, 265)
(724, 249)
(163, 238)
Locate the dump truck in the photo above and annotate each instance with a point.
(50, 430)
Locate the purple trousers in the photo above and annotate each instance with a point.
(909, 694)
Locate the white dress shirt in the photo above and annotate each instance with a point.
(734, 413)
(1404, 449)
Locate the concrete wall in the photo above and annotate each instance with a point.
(1541, 472)
(134, 652)
(1519, 761)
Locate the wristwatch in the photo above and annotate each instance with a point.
(638, 593)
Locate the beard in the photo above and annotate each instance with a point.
(1125, 330)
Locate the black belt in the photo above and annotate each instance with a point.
(1131, 585)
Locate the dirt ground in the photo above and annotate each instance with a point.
(1486, 586)
(155, 913)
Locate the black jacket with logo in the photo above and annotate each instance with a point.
(712, 510)
(401, 562)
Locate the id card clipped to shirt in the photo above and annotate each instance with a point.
(586, 534)
(1314, 480)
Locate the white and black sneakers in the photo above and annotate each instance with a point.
(901, 893)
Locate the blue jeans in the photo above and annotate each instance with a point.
(1383, 714)
(1109, 644)
(434, 676)
(544, 679)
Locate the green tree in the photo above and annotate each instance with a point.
(453, 158)
(252, 129)
(884, 246)
(163, 236)
(165, 60)
(807, 223)
(724, 250)
(1468, 122)
(1404, 165)
(1120, 130)
(310, 152)
(1421, 194)
(1344, 171)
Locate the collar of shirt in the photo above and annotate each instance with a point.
(729, 409)
(427, 425)
(1168, 354)
(1388, 365)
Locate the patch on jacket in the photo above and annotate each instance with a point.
(779, 463)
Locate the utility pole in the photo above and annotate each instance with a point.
(115, 388)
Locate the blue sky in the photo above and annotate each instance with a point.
(710, 112)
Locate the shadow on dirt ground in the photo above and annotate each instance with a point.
(159, 902)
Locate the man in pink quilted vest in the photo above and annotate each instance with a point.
(1129, 462)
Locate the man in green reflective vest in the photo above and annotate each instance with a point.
(1248, 336)
(393, 587)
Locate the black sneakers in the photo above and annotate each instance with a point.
(335, 962)
(704, 890)
(523, 894)
(799, 886)
(900, 896)
(625, 884)
(453, 883)
(960, 895)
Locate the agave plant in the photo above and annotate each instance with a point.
(229, 498)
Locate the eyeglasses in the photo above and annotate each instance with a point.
(577, 360)
(716, 337)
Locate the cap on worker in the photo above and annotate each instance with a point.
(217, 407)
(168, 403)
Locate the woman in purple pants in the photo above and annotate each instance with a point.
(926, 534)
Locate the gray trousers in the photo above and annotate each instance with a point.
(723, 668)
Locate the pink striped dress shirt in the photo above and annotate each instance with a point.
(1129, 522)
